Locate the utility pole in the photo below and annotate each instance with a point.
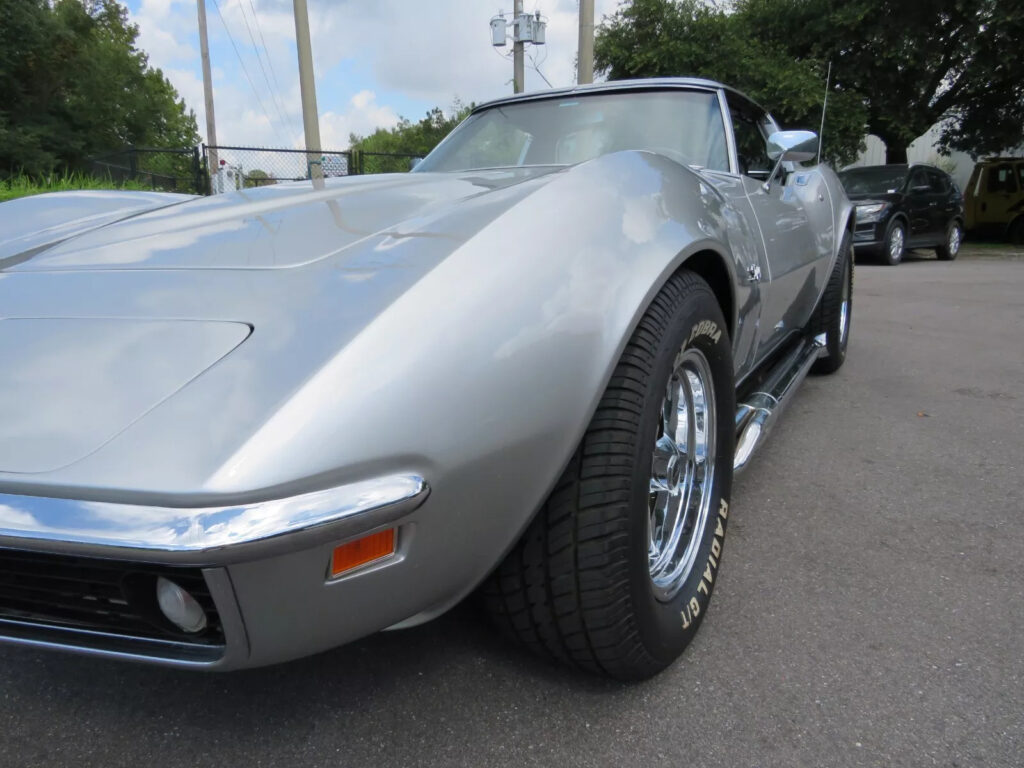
(307, 85)
(585, 55)
(211, 122)
(526, 28)
(518, 73)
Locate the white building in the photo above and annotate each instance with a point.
(921, 150)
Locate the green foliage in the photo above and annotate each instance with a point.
(916, 64)
(73, 84)
(22, 185)
(663, 38)
(257, 177)
(406, 138)
(898, 67)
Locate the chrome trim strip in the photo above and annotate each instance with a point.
(756, 416)
(730, 138)
(108, 645)
(206, 536)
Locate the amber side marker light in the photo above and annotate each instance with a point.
(353, 554)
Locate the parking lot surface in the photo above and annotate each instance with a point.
(870, 610)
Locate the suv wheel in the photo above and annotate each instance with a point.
(1017, 231)
(895, 242)
(951, 246)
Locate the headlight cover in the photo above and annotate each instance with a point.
(870, 211)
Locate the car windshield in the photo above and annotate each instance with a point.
(876, 180)
(684, 125)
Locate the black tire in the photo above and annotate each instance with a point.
(891, 254)
(577, 586)
(951, 247)
(1016, 231)
(828, 318)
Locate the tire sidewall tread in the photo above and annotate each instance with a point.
(596, 607)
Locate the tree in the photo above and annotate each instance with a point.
(73, 84)
(257, 177)
(662, 38)
(407, 138)
(898, 67)
(954, 62)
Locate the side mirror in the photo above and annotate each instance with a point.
(796, 146)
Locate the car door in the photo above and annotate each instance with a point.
(999, 201)
(946, 202)
(789, 246)
(921, 201)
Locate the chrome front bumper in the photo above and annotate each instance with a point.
(265, 564)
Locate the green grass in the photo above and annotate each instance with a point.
(21, 186)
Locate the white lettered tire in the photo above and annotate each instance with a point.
(616, 572)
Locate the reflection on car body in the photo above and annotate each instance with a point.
(530, 366)
(901, 207)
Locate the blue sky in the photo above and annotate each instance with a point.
(374, 60)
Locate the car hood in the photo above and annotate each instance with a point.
(278, 226)
(239, 299)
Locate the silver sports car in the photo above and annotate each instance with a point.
(243, 428)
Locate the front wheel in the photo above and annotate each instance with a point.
(951, 245)
(616, 571)
(895, 243)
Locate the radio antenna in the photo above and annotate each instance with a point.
(824, 106)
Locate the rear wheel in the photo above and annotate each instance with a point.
(616, 571)
(1016, 231)
(834, 314)
(951, 245)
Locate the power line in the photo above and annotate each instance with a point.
(533, 65)
(270, 63)
(245, 71)
(273, 94)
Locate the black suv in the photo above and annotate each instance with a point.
(905, 206)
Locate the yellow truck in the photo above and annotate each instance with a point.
(995, 198)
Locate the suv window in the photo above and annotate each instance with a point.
(938, 181)
(1001, 178)
(918, 178)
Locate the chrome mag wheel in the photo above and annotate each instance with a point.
(682, 474)
(953, 246)
(896, 245)
(844, 309)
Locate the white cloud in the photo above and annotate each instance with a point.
(390, 53)
(166, 31)
(363, 116)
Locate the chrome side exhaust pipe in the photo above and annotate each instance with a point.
(758, 413)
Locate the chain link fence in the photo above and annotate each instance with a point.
(215, 169)
(246, 167)
(167, 170)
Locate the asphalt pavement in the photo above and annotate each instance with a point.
(869, 610)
